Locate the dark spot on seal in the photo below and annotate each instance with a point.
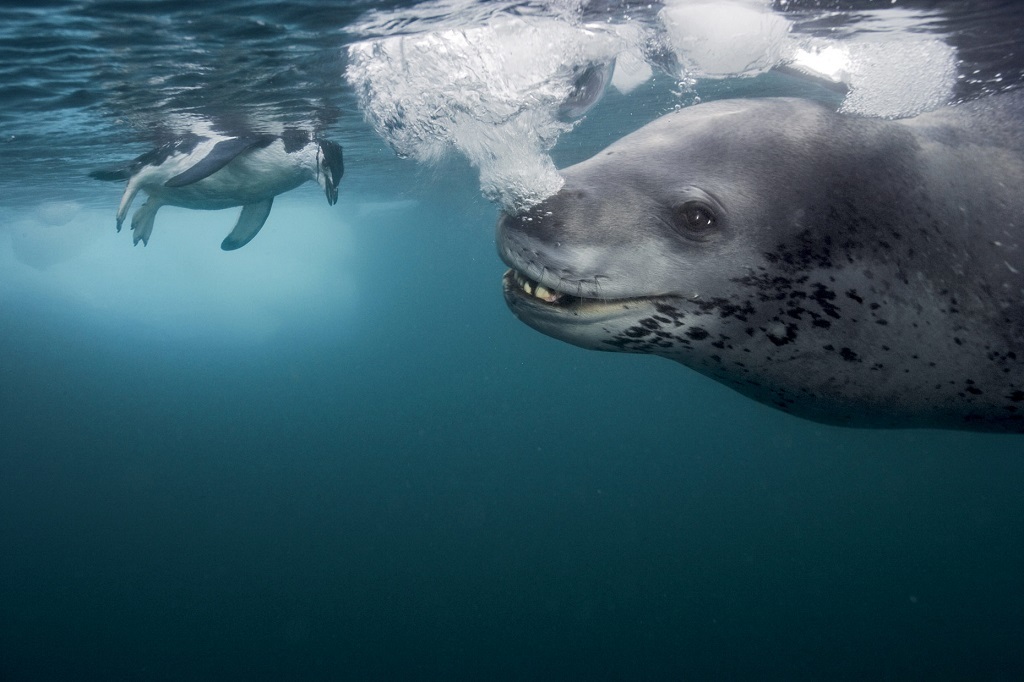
(727, 308)
(697, 333)
(668, 311)
(849, 355)
(852, 293)
(1017, 396)
(824, 296)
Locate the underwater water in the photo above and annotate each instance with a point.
(335, 454)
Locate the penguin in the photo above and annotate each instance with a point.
(216, 171)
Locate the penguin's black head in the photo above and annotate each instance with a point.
(330, 168)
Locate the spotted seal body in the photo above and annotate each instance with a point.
(851, 271)
(216, 171)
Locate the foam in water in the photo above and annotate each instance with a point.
(887, 78)
(496, 93)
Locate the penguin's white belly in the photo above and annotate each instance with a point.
(248, 179)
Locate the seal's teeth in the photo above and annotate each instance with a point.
(546, 294)
(536, 290)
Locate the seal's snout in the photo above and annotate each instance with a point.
(538, 245)
(545, 221)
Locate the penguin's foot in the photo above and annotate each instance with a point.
(142, 221)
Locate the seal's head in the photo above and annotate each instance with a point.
(668, 214)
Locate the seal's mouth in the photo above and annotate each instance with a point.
(544, 298)
(586, 322)
(539, 298)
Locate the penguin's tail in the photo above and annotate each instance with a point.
(112, 173)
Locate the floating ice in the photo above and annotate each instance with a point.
(631, 71)
(721, 39)
(888, 68)
(828, 62)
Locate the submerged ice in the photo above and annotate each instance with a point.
(61, 256)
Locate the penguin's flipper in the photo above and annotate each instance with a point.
(249, 223)
(223, 153)
(126, 201)
(142, 221)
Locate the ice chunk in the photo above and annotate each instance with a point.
(720, 39)
(631, 71)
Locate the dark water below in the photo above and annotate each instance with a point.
(334, 454)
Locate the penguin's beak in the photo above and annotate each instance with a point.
(332, 167)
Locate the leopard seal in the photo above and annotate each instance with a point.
(851, 271)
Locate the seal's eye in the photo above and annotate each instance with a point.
(694, 219)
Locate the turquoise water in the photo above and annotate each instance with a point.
(334, 454)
